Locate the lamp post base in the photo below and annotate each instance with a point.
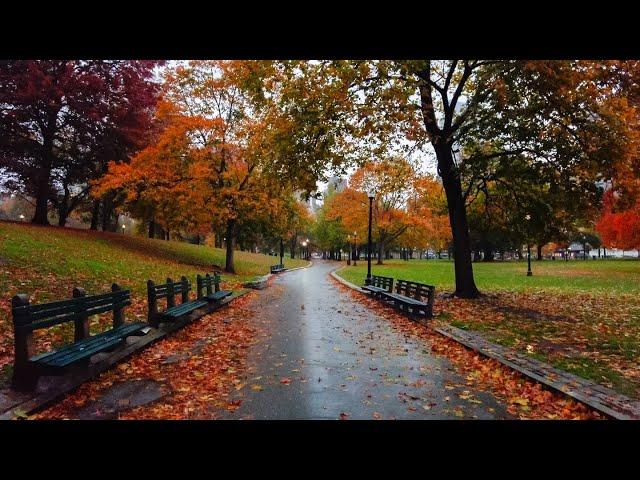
(367, 281)
(529, 274)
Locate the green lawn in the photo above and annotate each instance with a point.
(47, 262)
(580, 316)
(621, 276)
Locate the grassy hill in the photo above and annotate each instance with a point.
(47, 262)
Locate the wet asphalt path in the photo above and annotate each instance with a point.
(321, 355)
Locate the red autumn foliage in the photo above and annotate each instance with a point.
(619, 229)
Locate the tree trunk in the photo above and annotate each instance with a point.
(488, 255)
(230, 246)
(539, 253)
(42, 195)
(63, 207)
(465, 284)
(380, 253)
(95, 215)
(108, 225)
(152, 228)
(292, 249)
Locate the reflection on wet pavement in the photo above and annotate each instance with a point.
(321, 355)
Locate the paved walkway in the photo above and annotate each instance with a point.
(322, 356)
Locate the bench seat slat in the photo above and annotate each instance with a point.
(183, 308)
(374, 289)
(404, 299)
(87, 347)
(219, 295)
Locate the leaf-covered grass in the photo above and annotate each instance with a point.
(47, 262)
(580, 316)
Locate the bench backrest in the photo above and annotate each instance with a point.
(382, 282)
(169, 289)
(208, 282)
(166, 290)
(417, 291)
(27, 318)
(279, 266)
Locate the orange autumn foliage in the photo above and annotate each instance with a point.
(408, 207)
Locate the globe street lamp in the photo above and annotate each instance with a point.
(123, 227)
(529, 272)
(367, 280)
(22, 217)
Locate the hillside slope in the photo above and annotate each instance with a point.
(47, 262)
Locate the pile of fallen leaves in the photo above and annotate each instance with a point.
(197, 366)
(525, 398)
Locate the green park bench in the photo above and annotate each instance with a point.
(208, 288)
(277, 268)
(169, 290)
(410, 297)
(379, 285)
(28, 318)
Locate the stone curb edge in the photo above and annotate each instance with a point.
(297, 268)
(352, 286)
(450, 333)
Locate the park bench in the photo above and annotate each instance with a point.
(277, 268)
(208, 288)
(169, 290)
(379, 285)
(409, 298)
(28, 318)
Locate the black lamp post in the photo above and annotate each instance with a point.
(355, 249)
(529, 272)
(367, 281)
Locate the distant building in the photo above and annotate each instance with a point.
(575, 250)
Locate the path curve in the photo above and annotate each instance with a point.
(320, 355)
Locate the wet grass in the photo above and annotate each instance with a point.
(621, 276)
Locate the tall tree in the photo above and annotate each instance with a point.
(391, 180)
(56, 115)
(561, 115)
